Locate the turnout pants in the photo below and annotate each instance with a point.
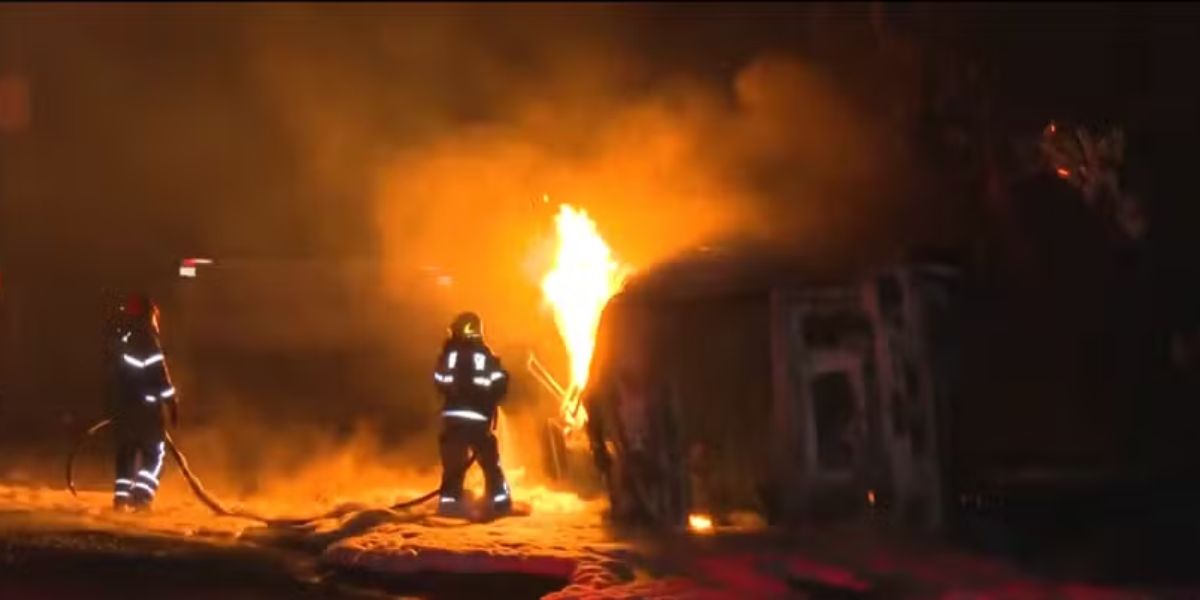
(459, 437)
(139, 465)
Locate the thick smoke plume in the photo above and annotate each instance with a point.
(438, 140)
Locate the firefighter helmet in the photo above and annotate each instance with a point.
(139, 309)
(467, 325)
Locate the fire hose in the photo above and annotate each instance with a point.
(215, 505)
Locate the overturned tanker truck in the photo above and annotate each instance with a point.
(732, 381)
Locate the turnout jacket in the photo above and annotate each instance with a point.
(470, 379)
(141, 386)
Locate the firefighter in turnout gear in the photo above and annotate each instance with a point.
(140, 393)
(473, 383)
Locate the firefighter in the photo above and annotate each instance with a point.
(142, 391)
(472, 382)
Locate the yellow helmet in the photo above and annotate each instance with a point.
(467, 325)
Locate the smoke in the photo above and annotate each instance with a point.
(428, 137)
(449, 124)
(777, 153)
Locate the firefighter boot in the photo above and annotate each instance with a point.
(122, 503)
(142, 500)
(450, 506)
(501, 500)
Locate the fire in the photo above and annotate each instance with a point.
(700, 523)
(584, 277)
(1063, 172)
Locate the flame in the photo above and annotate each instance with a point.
(700, 523)
(584, 277)
(1063, 172)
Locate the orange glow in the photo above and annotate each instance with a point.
(871, 497)
(1053, 128)
(583, 279)
(700, 523)
(1062, 172)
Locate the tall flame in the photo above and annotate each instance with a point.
(583, 279)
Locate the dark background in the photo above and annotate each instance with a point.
(157, 132)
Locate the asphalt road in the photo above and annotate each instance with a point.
(58, 560)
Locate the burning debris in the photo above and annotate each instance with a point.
(1092, 163)
(584, 277)
(700, 523)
